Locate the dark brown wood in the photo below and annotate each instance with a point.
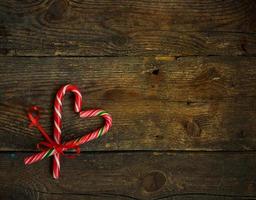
(128, 176)
(111, 28)
(157, 103)
(177, 76)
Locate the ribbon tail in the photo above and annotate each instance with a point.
(39, 156)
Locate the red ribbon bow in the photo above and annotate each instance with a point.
(34, 116)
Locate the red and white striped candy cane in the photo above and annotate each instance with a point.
(55, 147)
(58, 120)
(95, 134)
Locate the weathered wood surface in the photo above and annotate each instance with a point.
(114, 28)
(157, 103)
(177, 76)
(128, 176)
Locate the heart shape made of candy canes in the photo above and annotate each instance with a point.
(54, 147)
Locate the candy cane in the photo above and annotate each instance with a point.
(57, 120)
(54, 147)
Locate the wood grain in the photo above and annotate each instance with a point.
(126, 28)
(157, 103)
(178, 77)
(132, 176)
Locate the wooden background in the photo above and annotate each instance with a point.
(178, 77)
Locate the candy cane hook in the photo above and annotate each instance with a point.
(58, 120)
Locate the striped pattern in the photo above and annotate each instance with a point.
(58, 125)
(39, 156)
(98, 132)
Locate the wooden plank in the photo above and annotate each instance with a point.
(156, 103)
(110, 28)
(132, 176)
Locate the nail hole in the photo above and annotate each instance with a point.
(244, 48)
(155, 71)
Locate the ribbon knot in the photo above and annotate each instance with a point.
(60, 148)
(34, 116)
